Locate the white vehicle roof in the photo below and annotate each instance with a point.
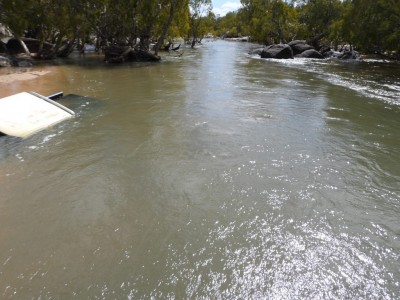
(25, 113)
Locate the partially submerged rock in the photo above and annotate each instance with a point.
(349, 55)
(300, 49)
(311, 53)
(299, 46)
(278, 51)
(346, 55)
(5, 62)
(16, 61)
(256, 51)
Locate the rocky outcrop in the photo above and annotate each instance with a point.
(5, 62)
(349, 55)
(345, 55)
(278, 51)
(300, 49)
(16, 61)
(256, 51)
(22, 62)
(299, 46)
(310, 53)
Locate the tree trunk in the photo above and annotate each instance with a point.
(166, 27)
(26, 50)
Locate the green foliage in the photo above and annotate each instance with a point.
(372, 25)
(110, 21)
(318, 15)
(270, 21)
(369, 25)
(14, 15)
(200, 15)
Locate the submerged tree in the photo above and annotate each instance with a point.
(200, 10)
(65, 23)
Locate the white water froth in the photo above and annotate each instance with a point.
(387, 92)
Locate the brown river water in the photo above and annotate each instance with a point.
(214, 175)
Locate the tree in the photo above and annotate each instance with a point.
(14, 14)
(270, 21)
(199, 10)
(174, 7)
(318, 16)
(372, 25)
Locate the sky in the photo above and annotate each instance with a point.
(222, 7)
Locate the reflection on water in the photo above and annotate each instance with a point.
(213, 175)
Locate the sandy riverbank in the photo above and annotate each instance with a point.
(12, 77)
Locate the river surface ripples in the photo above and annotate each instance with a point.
(213, 175)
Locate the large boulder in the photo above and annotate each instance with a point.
(299, 46)
(4, 62)
(278, 51)
(295, 42)
(256, 51)
(311, 53)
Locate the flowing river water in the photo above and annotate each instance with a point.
(214, 175)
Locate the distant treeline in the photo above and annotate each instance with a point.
(136, 23)
(371, 26)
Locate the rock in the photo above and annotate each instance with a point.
(24, 63)
(4, 62)
(256, 51)
(311, 53)
(342, 55)
(278, 51)
(295, 42)
(299, 46)
(21, 60)
(324, 49)
(349, 55)
(331, 54)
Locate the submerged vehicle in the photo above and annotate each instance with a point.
(26, 113)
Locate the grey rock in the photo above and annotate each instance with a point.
(278, 51)
(349, 55)
(24, 63)
(256, 51)
(299, 46)
(311, 53)
(4, 62)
